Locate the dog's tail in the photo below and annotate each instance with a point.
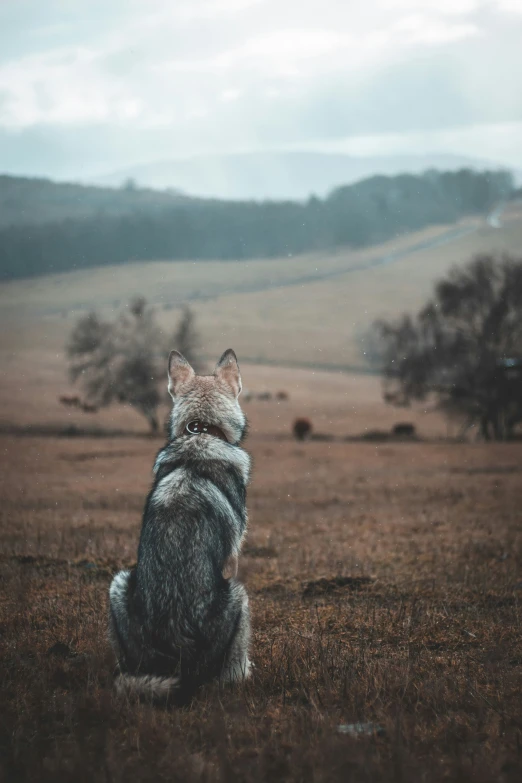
(149, 687)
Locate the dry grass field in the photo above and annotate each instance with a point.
(309, 310)
(385, 581)
(385, 576)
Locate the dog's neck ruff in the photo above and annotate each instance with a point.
(198, 427)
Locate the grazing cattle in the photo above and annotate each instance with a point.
(302, 429)
(282, 395)
(404, 430)
(73, 402)
(88, 408)
(264, 396)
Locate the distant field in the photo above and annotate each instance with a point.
(306, 310)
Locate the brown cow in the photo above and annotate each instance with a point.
(73, 402)
(302, 429)
(88, 408)
(404, 430)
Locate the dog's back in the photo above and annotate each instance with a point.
(175, 620)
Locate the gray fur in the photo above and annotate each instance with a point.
(175, 620)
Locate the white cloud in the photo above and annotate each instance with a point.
(63, 86)
(294, 52)
(510, 6)
(261, 71)
(442, 7)
(230, 94)
(418, 29)
(209, 9)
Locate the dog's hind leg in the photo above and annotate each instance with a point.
(132, 656)
(237, 664)
(119, 624)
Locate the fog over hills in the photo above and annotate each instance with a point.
(279, 175)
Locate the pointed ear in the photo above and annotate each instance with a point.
(227, 370)
(180, 372)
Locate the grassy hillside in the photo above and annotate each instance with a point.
(73, 228)
(321, 323)
(310, 310)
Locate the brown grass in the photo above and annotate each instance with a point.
(385, 582)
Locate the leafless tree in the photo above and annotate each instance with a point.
(464, 347)
(123, 361)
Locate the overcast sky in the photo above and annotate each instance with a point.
(88, 87)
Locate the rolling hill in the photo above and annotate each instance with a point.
(51, 228)
(311, 310)
(280, 175)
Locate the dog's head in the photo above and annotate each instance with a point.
(212, 399)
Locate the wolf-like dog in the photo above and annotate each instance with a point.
(176, 621)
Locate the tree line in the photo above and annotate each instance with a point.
(32, 200)
(364, 213)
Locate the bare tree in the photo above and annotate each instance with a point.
(123, 361)
(464, 347)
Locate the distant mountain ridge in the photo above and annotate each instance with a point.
(280, 175)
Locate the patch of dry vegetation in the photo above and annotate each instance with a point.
(385, 583)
